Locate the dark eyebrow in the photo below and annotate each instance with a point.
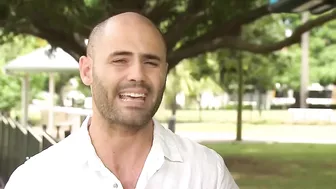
(128, 53)
(116, 53)
(151, 56)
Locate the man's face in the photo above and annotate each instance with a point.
(128, 76)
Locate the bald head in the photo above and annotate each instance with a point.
(136, 21)
(126, 54)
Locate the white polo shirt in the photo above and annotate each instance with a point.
(172, 163)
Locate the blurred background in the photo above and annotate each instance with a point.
(254, 80)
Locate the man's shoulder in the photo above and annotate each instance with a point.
(192, 151)
(203, 161)
(44, 165)
(54, 156)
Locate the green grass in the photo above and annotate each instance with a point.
(230, 116)
(227, 116)
(280, 166)
(205, 127)
(271, 131)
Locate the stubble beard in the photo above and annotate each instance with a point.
(130, 119)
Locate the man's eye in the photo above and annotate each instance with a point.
(119, 61)
(154, 64)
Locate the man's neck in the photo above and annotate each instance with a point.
(117, 146)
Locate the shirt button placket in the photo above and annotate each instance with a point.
(115, 185)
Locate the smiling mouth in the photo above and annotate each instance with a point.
(135, 97)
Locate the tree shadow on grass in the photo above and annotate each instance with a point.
(254, 172)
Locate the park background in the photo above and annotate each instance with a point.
(254, 80)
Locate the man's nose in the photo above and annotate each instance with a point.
(136, 72)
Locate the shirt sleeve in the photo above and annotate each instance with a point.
(19, 179)
(225, 179)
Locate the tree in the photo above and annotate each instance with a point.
(323, 46)
(190, 27)
(192, 80)
(237, 69)
(321, 59)
(259, 69)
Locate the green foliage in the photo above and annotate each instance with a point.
(264, 70)
(190, 27)
(326, 66)
(259, 69)
(9, 92)
(222, 67)
(322, 54)
(192, 78)
(83, 88)
(322, 61)
(10, 85)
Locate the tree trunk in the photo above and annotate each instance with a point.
(240, 100)
(199, 109)
(260, 102)
(172, 119)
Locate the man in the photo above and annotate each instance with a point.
(121, 145)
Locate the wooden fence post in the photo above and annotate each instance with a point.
(16, 144)
(34, 143)
(11, 147)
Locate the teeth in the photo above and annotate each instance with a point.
(134, 95)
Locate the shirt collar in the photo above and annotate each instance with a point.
(167, 142)
(163, 140)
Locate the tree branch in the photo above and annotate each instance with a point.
(160, 11)
(231, 27)
(247, 18)
(4, 12)
(136, 5)
(55, 38)
(192, 16)
(181, 24)
(114, 7)
(237, 43)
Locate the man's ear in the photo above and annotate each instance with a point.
(167, 68)
(85, 70)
